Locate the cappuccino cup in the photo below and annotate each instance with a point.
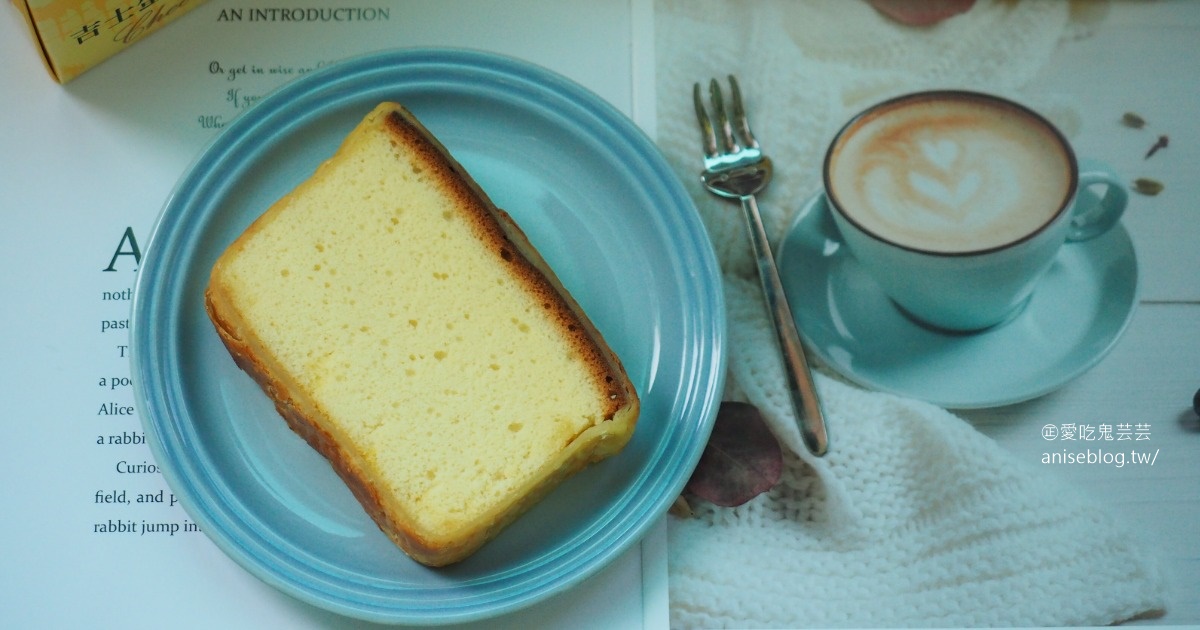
(958, 202)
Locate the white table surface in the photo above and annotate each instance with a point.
(1144, 57)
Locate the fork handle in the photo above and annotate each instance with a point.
(799, 377)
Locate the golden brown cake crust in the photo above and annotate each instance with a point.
(513, 250)
(321, 441)
(524, 262)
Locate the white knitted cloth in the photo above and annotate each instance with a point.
(913, 518)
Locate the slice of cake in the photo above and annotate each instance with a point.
(408, 330)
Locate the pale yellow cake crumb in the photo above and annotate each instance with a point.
(409, 331)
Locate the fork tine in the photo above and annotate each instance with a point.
(706, 128)
(718, 102)
(739, 114)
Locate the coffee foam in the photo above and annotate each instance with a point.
(954, 174)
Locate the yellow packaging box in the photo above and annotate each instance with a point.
(74, 35)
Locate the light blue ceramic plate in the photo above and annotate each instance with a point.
(596, 198)
(1074, 318)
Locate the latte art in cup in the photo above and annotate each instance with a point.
(952, 174)
(957, 203)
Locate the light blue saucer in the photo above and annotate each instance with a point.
(599, 202)
(1073, 319)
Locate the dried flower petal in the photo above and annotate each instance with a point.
(742, 458)
(1147, 186)
(1131, 119)
(921, 12)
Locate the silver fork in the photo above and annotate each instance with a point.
(739, 171)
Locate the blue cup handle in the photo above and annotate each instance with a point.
(1095, 214)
